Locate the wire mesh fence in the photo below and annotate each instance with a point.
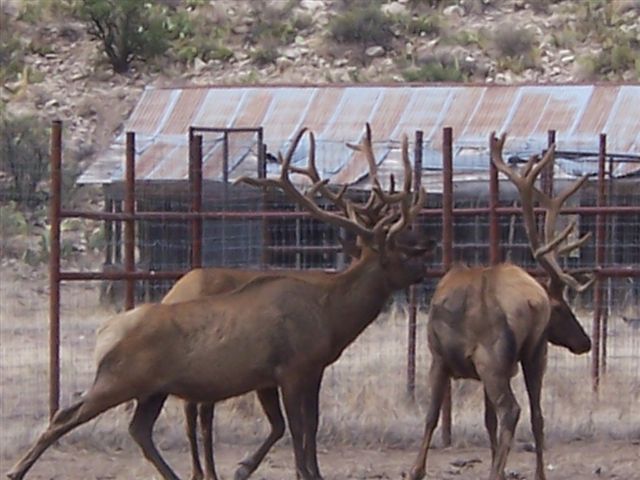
(368, 385)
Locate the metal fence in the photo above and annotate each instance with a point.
(280, 238)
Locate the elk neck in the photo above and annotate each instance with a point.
(356, 297)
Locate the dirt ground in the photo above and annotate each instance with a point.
(569, 461)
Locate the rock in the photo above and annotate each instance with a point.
(199, 65)
(394, 8)
(453, 10)
(283, 63)
(292, 53)
(312, 5)
(375, 51)
(241, 29)
(52, 103)
(568, 59)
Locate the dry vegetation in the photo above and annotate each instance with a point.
(364, 402)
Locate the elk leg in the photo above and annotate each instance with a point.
(191, 416)
(533, 371)
(206, 427)
(438, 383)
(498, 389)
(292, 395)
(97, 401)
(141, 427)
(311, 419)
(491, 423)
(270, 402)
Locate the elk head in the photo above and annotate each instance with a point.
(380, 224)
(564, 328)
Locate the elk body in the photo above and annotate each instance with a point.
(483, 321)
(207, 282)
(273, 332)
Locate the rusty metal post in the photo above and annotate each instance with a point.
(54, 267)
(225, 186)
(117, 241)
(447, 252)
(129, 223)
(547, 173)
(108, 234)
(195, 184)
(609, 294)
(494, 223)
(413, 290)
(262, 173)
(600, 251)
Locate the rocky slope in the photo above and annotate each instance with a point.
(64, 75)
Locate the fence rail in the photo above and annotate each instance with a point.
(130, 216)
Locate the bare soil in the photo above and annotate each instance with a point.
(566, 461)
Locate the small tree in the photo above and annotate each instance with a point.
(24, 159)
(127, 29)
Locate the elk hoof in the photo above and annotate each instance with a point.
(417, 473)
(242, 473)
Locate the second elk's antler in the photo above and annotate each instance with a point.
(547, 249)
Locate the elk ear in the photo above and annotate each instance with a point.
(350, 248)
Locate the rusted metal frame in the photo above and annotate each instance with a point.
(225, 193)
(608, 295)
(600, 255)
(494, 221)
(547, 173)
(108, 234)
(614, 272)
(129, 225)
(197, 129)
(447, 253)
(413, 289)
(54, 266)
(265, 254)
(195, 185)
(118, 217)
(427, 212)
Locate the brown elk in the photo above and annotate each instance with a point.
(271, 333)
(484, 320)
(204, 282)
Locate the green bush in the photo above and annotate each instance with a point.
(512, 41)
(24, 158)
(194, 36)
(11, 50)
(363, 24)
(127, 29)
(434, 71)
(12, 221)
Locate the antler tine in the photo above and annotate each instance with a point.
(366, 147)
(546, 254)
(284, 183)
(408, 212)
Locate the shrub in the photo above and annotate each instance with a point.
(434, 71)
(364, 24)
(512, 41)
(11, 50)
(24, 158)
(127, 30)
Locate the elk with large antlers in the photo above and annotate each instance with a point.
(483, 321)
(273, 332)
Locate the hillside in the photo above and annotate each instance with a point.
(53, 68)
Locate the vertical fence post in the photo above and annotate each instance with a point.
(195, 184)
(225, 192)
(447, 252)
(494, 223)
(413, 289)
(547, 173)
(129, 225)
(600, 238)
(54, 267)
(264, 200)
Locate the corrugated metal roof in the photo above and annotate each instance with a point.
(337, 114)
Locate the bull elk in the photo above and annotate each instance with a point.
(205, 282)
(272, 333)
(484, 320)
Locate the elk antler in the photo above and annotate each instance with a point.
(545, 253)
(376, 221)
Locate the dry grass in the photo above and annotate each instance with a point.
(364, 399)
